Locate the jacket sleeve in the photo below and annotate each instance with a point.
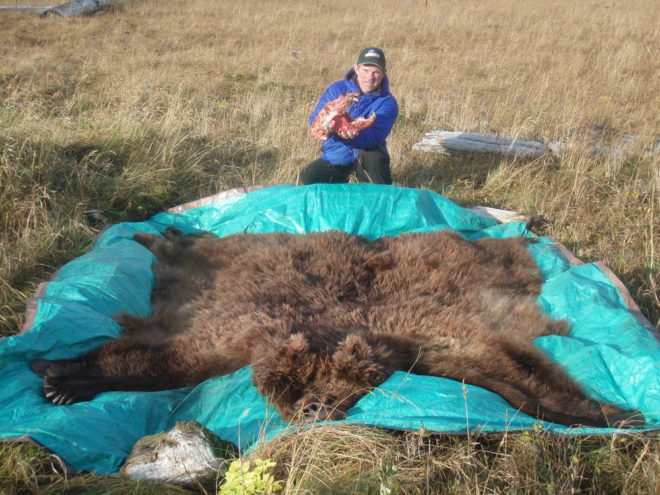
(386, 111)
(331, 93)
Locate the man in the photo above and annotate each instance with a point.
(363, 152)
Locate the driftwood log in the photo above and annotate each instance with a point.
(77, 7)
(34, 8)
(459, 143)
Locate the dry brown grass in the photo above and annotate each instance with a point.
(28, 469)
(153, 103)
(358, 459)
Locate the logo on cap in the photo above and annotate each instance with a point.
(372, 53)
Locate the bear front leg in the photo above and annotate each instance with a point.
(66, 390)
(116, 365)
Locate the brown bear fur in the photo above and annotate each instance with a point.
(325, 317)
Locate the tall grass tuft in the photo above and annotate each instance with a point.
(359, 459)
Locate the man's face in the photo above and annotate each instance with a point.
(369, 77)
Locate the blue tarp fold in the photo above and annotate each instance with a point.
(608, 351)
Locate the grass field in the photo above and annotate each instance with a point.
(152, 103)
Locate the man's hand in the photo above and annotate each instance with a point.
(348, 134)
(334, 118)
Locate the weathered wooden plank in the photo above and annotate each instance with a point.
(77, 7)
(456, 143)
(465, 143)
(32, 8)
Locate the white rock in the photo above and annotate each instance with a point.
(189, 455)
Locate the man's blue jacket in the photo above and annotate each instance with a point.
(340, 151)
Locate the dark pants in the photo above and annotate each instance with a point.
(372, 165)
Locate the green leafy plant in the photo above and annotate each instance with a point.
(247, 478)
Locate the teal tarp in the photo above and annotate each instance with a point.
(609, 352)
